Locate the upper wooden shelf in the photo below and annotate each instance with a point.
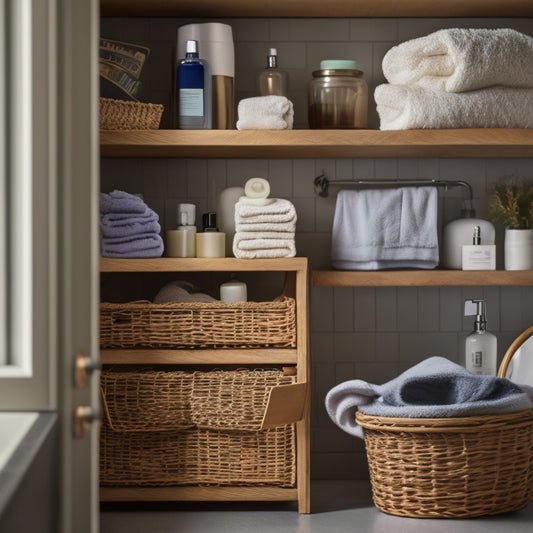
(194, 264)
(318, 143)
(421, 278)
(317, 8)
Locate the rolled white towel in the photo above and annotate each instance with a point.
(457, 59)
(254, 245)
(257, 188)
(265, 113)
(401, 108)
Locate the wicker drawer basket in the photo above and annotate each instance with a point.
(199, 325)
(455, 467)
(206, 434)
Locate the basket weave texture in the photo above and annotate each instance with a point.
(191, 325)
(455, 467)
(126, 115)
(141, 446)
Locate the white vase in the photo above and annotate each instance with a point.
(518, 248)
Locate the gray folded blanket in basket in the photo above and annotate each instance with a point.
(434, 388)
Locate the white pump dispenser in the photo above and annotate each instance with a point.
(458, 233)
(480, 346)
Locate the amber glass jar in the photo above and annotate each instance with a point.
(338, 96)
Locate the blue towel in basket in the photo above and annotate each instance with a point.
(434, 388)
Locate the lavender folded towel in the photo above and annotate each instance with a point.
(121, 202)
(147, 245)
(116, 219)
(130, 227)
(435, 388)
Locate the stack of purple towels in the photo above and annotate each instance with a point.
(128, 227)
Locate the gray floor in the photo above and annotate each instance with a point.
(337, 507)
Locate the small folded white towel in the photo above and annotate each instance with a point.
(282, 227)
(255, 245)
(265, 113)
(401, 107)
(457, 59)
(385, 228)
(277, 210)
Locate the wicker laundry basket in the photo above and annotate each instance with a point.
(450, 467)
(188, 325)
(126, 115)
(207, 433)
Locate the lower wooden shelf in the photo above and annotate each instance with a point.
(115, 494)
(199, 357)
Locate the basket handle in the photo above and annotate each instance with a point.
(286, 404)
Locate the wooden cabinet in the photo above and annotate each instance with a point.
(297, 144)
(282, 408)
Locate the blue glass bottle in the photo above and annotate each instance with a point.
(194, 90)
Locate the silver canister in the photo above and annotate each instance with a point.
(338, 96)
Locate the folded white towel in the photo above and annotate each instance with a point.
(277, 210)
(265, 113)
(283, 227)
(401, 107)
(457, 60)
(385, 228)
(252, 245)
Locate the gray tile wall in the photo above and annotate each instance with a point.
(368, 333)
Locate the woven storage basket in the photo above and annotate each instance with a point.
(140, 448)
(455, 467)
(126, 115)
(199, 325)
(198, 457)
(233, 400)
(144, 401)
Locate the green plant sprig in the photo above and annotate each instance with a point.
(512, 204)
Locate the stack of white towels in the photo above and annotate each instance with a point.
(128, 227)
(458, 78)
(264, 227)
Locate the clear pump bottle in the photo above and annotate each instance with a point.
(480, 346)
(273, 80)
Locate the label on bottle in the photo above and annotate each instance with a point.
(191, 102)
(477, 359)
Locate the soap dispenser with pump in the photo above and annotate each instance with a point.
(458, 233)
(480, 346)
(273, 80)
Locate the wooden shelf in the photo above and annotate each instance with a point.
(194, 264)
(318, 143)
(162, 494)
(275, 356)
(420, 278)
(318, 8)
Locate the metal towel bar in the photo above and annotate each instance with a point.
(322, 184)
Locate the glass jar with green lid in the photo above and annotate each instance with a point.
(338, 96)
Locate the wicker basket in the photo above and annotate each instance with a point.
(455, 467)
(198, 457)
(233, 400)
(146, 400)
(140, 447)
(125, 115)
(199, 325)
